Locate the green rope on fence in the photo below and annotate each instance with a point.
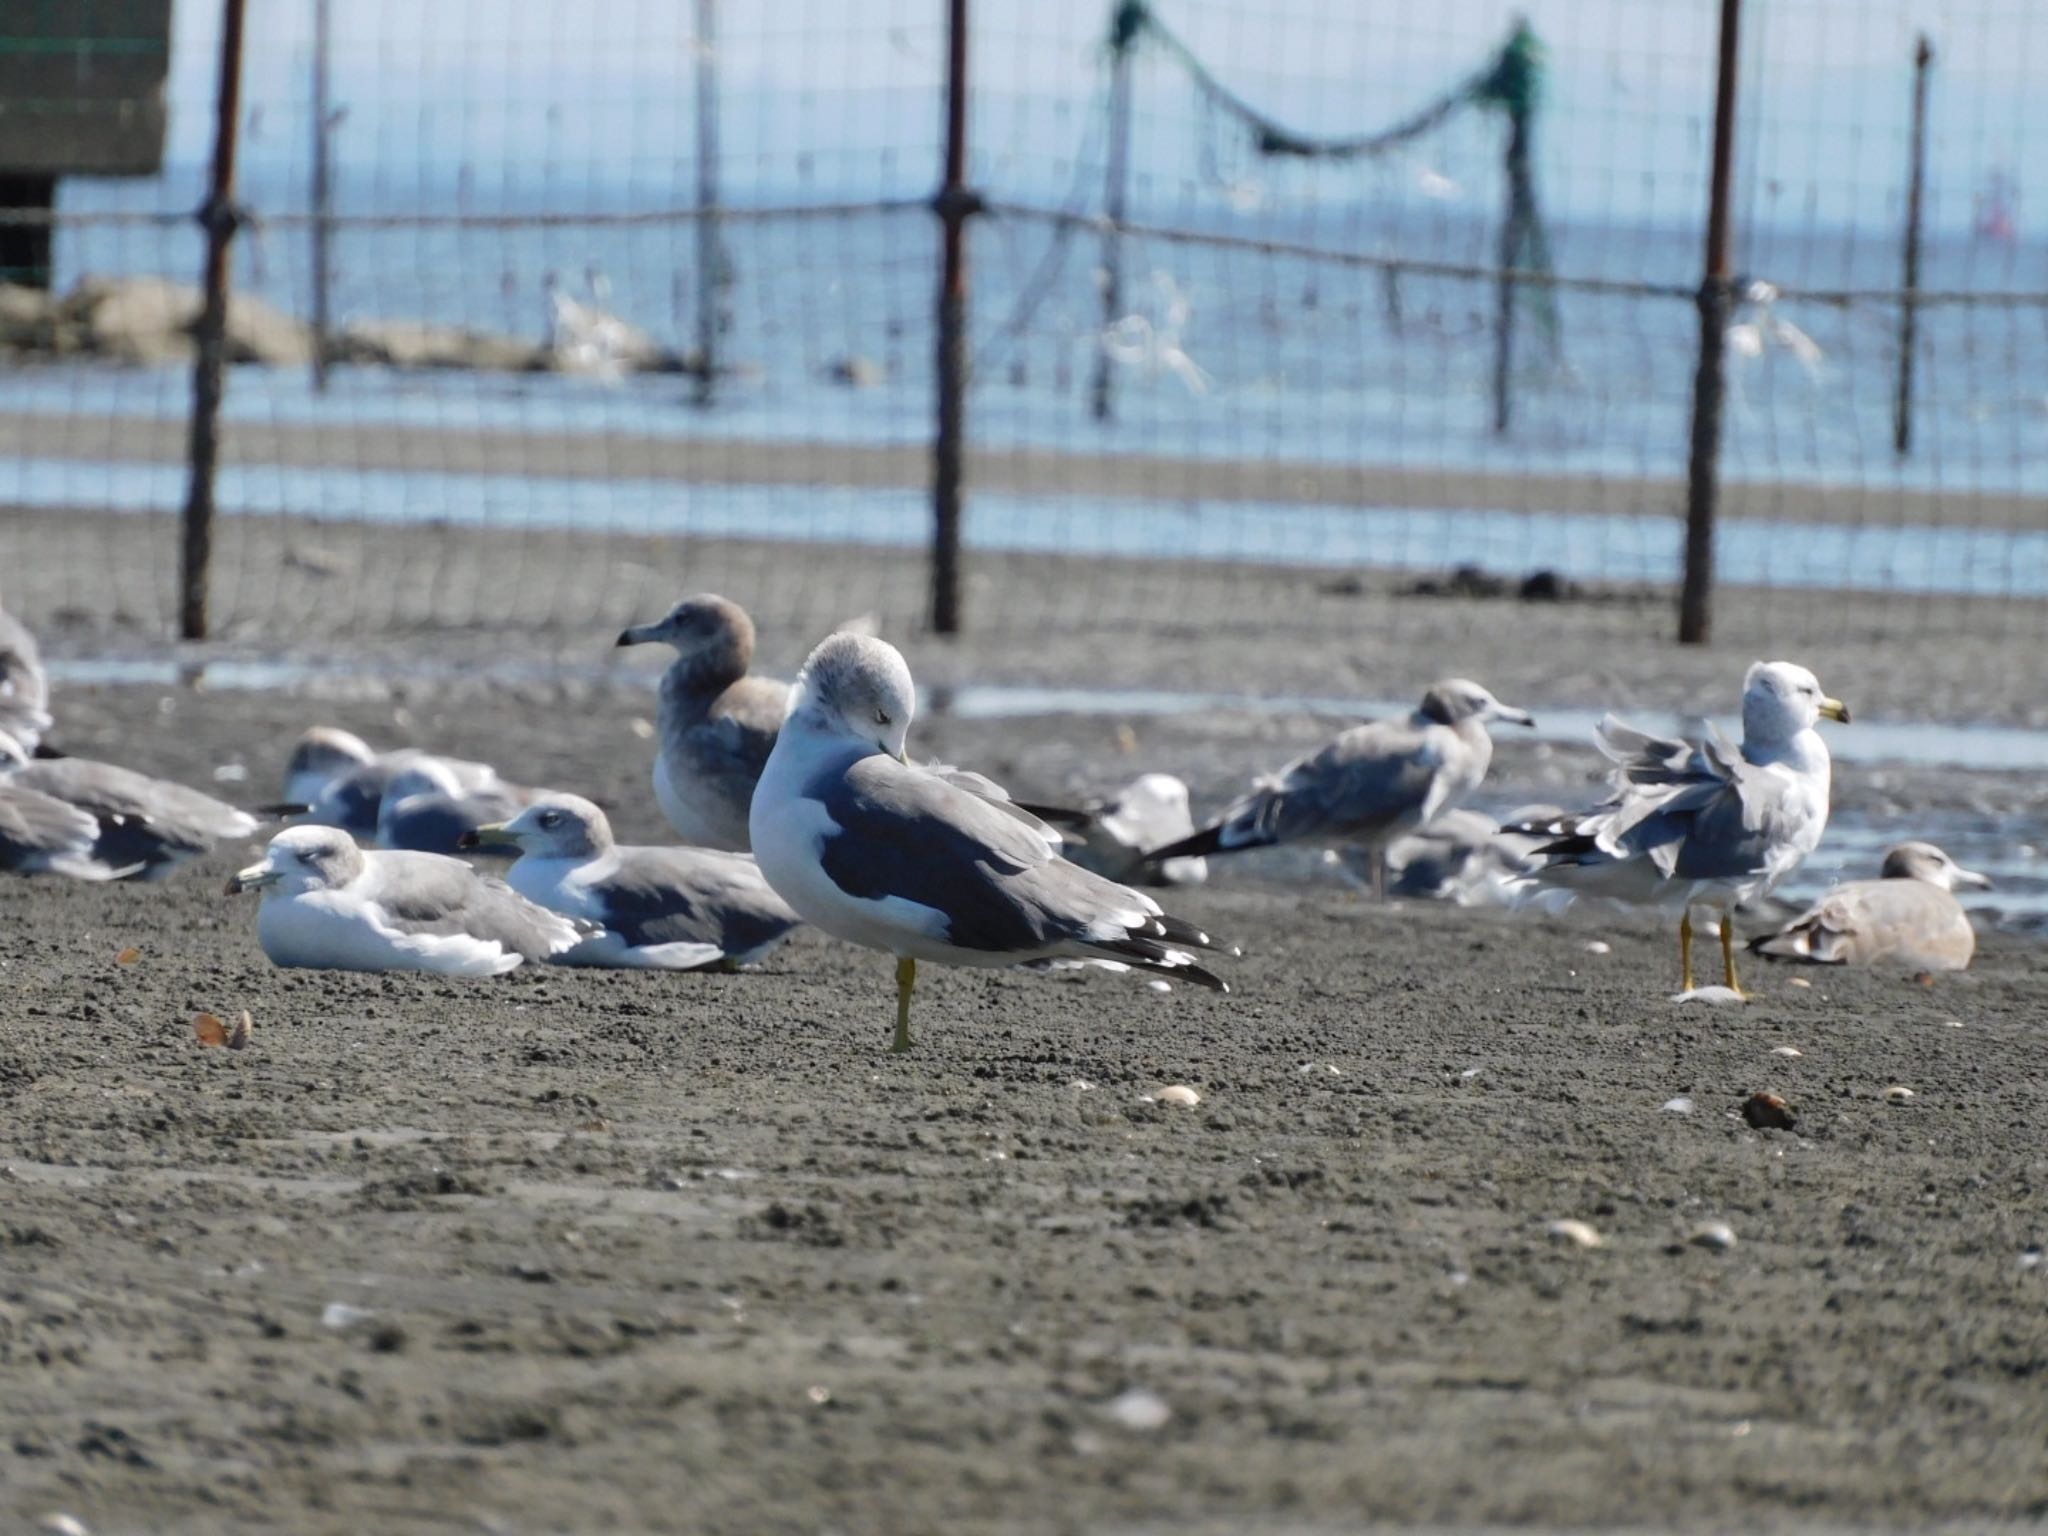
(1511, 83)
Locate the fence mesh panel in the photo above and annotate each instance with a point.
(1292, 397)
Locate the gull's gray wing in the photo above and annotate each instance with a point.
(732, 741)
(908, 834)
(1365, 782)
(1867, 921)
(430, 893)
(691, 895)
(145, 821)
(24, 688)
(39, 833)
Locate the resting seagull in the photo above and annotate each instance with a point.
(24, 687)
(329, 905)
(336, 779)
(913, 861)
(142, 826)
(426, 808)
(1908, 916)
(39, 834)
(1702, 824)
(669, 909)
(1373, 784)
(717, 724)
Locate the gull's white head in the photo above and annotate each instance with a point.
(553, 827)
(301, 859)
(328, 750)
(1155, 792)
(857, 687)
(1459, 698)
(1924, 861)
(422, 776)
(1781, 699)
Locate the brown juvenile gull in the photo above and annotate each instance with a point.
(671, 909)
(1907, 916)
(1702, 824)
(879, 851)
(716, 724)
(329, 905)
(1371, 785)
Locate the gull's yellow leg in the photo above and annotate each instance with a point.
(1728, 954)
(906, 979)
(1685, 951)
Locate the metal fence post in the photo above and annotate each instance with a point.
(1513, 226)
(1696, 598)
(955, 205)
(710, 268)
(323, 188)
(1909, 299)
(1123, 37)
(219, 217)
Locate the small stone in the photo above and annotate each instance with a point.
(1952, 1024)
(1180, 1094)
(820, 1395)
(1798, 981)
(1713, 997)
(1712, 1234)
(339, 1315)
(241, 1033)
(1787, 1050)
(1578, 1233)
(57, 1523)
(1159, 986)
(1081, 1085)
(1678, 1106)
(1599, 947)
(1139, 1409)
(642, 727)
(1897, 1094)
(1768, 1112)
(2030, 1258)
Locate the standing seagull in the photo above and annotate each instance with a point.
(668, 909)
(1703, 824)
(717, 724)
(329, 905)
(878, 851)
(1908, 916)
(24, 688)
(1371, 785)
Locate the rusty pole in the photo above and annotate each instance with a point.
(955, 205)
(219, 217)
(1909, 302)
(323, 188)
(710, 263)
(1709, 388)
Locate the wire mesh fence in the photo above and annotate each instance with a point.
(540, 317)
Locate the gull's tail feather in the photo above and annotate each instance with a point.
(1207, 841)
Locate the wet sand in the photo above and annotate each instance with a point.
(697, 1253)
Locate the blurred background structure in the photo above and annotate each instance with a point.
(536, 310)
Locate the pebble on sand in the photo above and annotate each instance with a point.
(1678, 1106)
(1898, 1094)
(1787, 1050)
(1179, 1094)
(1598, 947)
(1713, 997)
(1769, 1112)
(1712, 1234)
(1579, 1234)
(1139, 1409)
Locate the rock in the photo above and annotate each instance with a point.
(150, 321)
(1714, 997)
(1677, 1106)
(1712, 1234)
(1579, 1234)
(418, 344)
(1180, 1094)
(1768, 1112)
(1139, 1409)
(28, 317)
(1898, 1095)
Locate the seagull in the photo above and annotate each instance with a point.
(24, 687)
(1908, 916)
(671, 909)
(40, 834)
(1702, 824)
(336, 779)
(330, 905)
(426, 808)
(716, 725)
(1464, 857)
(142, 827)
(1373, 784)
(881, 852)
(1111, 836)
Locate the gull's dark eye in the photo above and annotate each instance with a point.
(881, 717)
(550, 819)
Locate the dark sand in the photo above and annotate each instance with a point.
(697, 1254)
